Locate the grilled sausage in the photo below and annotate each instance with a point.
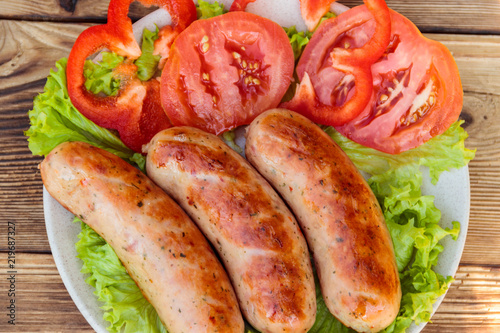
(339, 215)
(256, 235)
(161, 248)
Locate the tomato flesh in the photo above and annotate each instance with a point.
(416, 93)
(224, 71)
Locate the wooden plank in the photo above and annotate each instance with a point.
(449, 16)
(471, 305)
(30, 49)
(23, 73)
(65, 10)
(20, 182)
(42, 301)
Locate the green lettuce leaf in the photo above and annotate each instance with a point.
(298, 40)
(229, 138)
(327, 16)
(147, 63)
(413, 220)
(99, 76)
(206, 10)
(55, 120)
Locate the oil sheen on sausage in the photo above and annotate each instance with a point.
(257, 237)
(339, 215)
(161, 248)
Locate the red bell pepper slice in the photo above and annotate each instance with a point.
(135, 112)
(324, 59)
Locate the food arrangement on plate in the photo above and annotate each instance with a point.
(231, 174)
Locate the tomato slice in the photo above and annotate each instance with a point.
(334, 69)
(224, 71)
(417, 93)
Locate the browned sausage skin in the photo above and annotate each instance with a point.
(338, 212)
(255, 234)
(161, 248)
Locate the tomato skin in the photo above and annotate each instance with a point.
(334, 68)
(423, 102)
(224, 71)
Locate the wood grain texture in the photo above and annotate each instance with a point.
(472, 303)
(20, 186)
(42, 302)
(64, 10)
(29, 51)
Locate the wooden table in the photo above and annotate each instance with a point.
(34, 34)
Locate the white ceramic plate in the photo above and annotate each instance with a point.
(452, 193)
